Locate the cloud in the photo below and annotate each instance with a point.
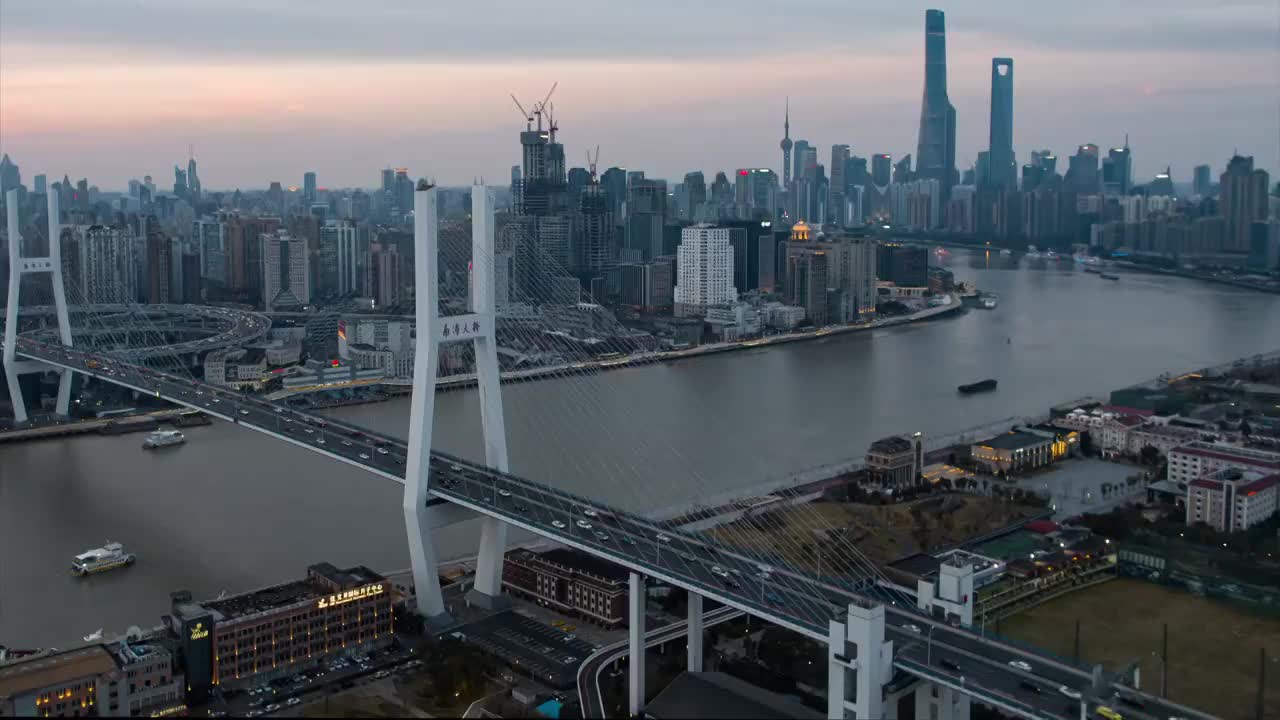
(410, 30)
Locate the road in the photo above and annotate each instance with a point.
(783, 596)
(589, 671)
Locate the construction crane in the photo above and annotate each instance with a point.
(528, 119)
(592, 162)
(540, 108)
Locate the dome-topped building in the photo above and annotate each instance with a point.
(800, 232)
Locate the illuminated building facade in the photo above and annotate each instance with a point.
(1020, 451)
(76, 683)
(279, 630)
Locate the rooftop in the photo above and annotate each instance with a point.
(322, 580)
(40, 671)
(581, 562)
(891, 445)
(717, 695)
(1016, 440)
(1230, 453)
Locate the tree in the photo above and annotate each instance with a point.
(1149, 455)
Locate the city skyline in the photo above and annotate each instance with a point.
(260, 111)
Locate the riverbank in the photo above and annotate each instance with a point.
(1272, 288)
(459, 382)
(106, 426)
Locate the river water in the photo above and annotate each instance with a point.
(234, 510)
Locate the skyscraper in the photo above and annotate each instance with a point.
(286, 280)
(1201, 181)
(1082, 170)
(786, 147)
(41, 184)
(936, 150)
(10, 176)
(836, 193)
(193, 180)
(1242, 198)
(695, 189)
(704, 274)
(1002, 168)
(1117, 170)
(309, 187)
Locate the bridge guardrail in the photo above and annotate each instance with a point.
(958, 682)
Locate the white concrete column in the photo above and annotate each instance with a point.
(11, 310)
(63, 405)
(493, 532)
(636, 645)
(422, 552)
(695, 632)
(874, 657)
(837, 671)
(952, 704)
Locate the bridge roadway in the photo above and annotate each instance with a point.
(934, 650)
(238, 326)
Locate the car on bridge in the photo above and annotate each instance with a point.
(1020, 665)
(583, 524)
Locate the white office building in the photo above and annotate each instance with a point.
(286, 281)
(704, 274)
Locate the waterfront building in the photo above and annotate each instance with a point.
(704, 270)
(895, 462)
(1243, 201)
(255, 637)
(571, 582)
(1015, 451)
(649, 286)
(1198, 459)
(72, 683)
(1233, 499)
(903, 265)
(807, 282)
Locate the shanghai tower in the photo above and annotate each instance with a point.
(936, 152)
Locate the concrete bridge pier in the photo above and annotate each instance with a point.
(695, 631)
(19, 266)
(635, 635)
(943, 703)
(433, 331)
(858, 656)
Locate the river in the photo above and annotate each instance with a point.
(234, 510)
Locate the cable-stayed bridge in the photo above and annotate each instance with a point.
(874, 631)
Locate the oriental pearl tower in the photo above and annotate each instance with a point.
(786, 147)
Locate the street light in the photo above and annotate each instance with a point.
(928, 654)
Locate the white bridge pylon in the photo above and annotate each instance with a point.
(19, 266)
(433, 330)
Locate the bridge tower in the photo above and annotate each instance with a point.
(434, 330)
(858, 654)
(19, 266)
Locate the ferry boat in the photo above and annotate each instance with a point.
(1084, 259)
(989, 301)
(163, 438)
(107, 557)
(980, 386)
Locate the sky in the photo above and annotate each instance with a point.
(266, 91)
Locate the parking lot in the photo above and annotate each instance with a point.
(540, 651)
(334, 675)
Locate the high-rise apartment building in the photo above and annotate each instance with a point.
(1242, 199)
(286, 277)
(211, 240)
(695, 189)
(704, 274)
(936, 149)
(99, 265)
(1003, 169)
